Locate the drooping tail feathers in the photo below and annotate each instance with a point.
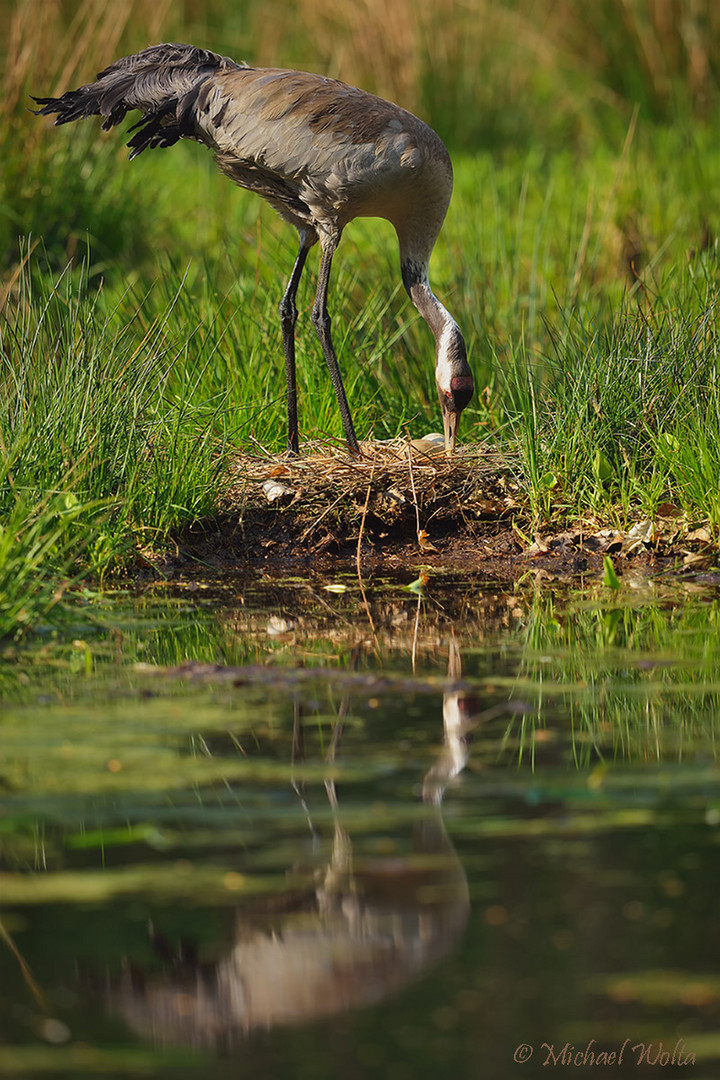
(162, 81)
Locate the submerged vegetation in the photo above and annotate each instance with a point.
(494, 785)
(139, 339)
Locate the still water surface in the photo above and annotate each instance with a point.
(264, 829)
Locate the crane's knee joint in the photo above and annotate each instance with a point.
(321, 321)
(288, 311)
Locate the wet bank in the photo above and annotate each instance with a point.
(403, 504)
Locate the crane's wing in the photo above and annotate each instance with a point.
(320, 151)
(163, 82)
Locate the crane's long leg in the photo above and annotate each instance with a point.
(288, 318)
(321, 322)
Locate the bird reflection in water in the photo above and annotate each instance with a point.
(367, 928)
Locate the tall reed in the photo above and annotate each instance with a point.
(53, 184)
(503, 72)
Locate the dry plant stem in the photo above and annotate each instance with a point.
(27, 974)
(412, 485)
(361, 531)
(261, 448)
(298, 755)
(415, 633)
(311, 528)
(582, 251)
(358, 557)
(611, 201)
(332, 751)
(14, 277)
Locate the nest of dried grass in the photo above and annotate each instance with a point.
(396, 482)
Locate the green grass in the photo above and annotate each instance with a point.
(99, 456)
(37, 559)
(623, 416)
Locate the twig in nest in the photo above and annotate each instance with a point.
(261, 448)
(311, 528)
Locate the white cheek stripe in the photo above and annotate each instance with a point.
(444, 367)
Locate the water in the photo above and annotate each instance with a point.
(260, 828)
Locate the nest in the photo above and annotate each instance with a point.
(393, 484)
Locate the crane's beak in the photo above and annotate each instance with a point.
(451, 422)
(452, 403)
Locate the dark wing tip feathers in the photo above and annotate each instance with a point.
(158, 81)
(68, 107)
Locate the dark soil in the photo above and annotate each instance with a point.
(399, 506)
(284, 539)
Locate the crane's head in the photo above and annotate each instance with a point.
(454, 381)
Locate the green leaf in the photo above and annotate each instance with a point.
(610, 578)
(602, 468)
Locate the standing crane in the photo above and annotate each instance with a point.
(321, 153)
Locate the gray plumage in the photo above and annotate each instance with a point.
(322, 153)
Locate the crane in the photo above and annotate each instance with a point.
(321, 153)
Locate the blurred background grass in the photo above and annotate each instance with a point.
(579, 256)
(511, 77)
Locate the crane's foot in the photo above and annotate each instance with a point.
(351, 439)
(293, 445)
